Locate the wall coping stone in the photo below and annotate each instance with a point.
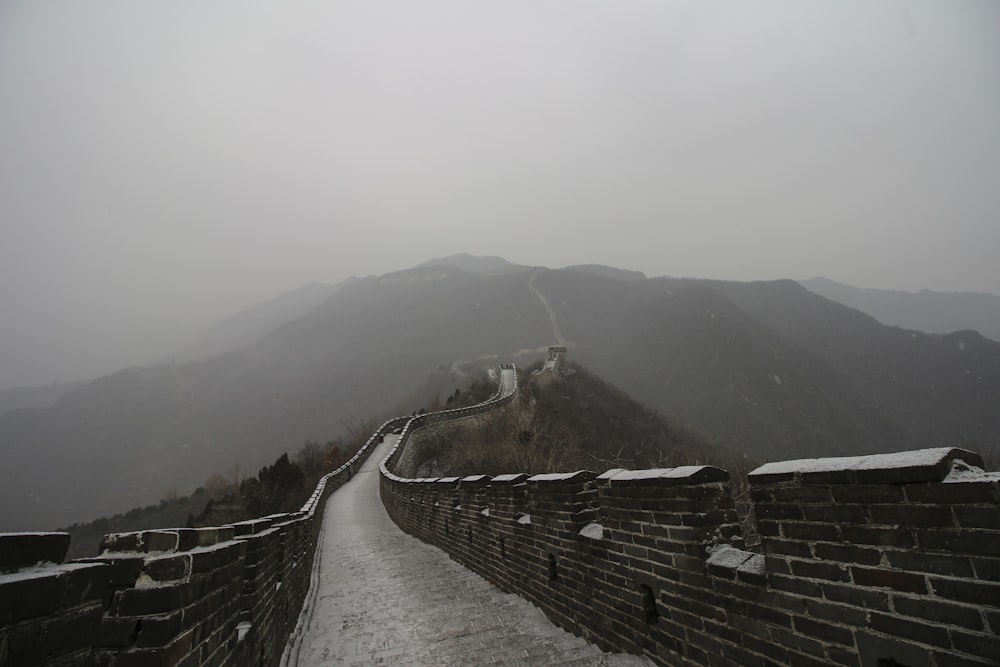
(510, 478)
(664, 476)
(578, 475)
(250, 527)
(143, 541)
(18, 550)
(922, 465)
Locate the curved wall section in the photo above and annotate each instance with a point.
(870, 561)
(229, 595)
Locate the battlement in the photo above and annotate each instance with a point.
(227, 595)
(890, 559)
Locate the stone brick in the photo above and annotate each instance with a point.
(846, 554)
(978, 517)
(29, 595)
(954, 493)
(841, 513)
(868, 494)
(18, 550)
(909, 629)
(778, 511)
(952, 659)
(939, 612)
(877, 651)
(987, 568)
(849, 594)
(985, 646)
(145, 541)
(969, 591)
(900, 581)
(824, 631)
(795, 585)
(915, 561)
(878, 536)
(965, 541)
(811, 532)
(820, 570)
(838, 613)
(912, 515)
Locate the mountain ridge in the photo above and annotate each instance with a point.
(766, 368)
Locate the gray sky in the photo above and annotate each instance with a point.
(163, 164)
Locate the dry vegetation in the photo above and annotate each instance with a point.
(573, 422)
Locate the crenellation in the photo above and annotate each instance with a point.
(861, 560)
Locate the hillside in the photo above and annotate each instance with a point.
(769, 369)
(926, 310)
(942, 388)
(572, 421)
(16, 398)
(131, 438)
(245, 327)
(688, 351)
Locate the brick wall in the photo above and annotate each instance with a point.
(873, 561)
(867, 561)
(229, 595)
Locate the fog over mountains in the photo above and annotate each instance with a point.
(770, 369)
(926, 310)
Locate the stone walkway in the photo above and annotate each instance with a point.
(386, 598)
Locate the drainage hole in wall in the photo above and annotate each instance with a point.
(649, 604)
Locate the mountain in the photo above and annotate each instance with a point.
(608, 272)
(474, 264)
(35, 397)
(685, 349)
(943, 388)
(767, 369)
(931, 312)
(131, 438)
(243, 328)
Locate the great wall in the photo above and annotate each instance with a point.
(879, 561)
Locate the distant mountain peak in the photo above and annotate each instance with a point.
(609, 272)
(489, 265)
(926, 310)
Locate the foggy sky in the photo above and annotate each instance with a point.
(164, 164)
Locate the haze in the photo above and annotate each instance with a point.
(164, 164)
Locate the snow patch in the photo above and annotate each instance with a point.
(594, 531)
(966, 472)
(680, 472)
(754, 565)
(728, 557)
(920, 457)
(507, 477)
(554, 476)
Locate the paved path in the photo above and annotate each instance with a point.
(386, 598)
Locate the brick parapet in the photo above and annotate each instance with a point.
(863, 561)
(225, 595)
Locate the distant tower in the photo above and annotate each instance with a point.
(558, 356)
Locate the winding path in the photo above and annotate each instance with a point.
(386, 598)
(548, 308)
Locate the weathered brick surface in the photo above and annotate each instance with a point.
(862, 563)
(857, 567)
(164, 597)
